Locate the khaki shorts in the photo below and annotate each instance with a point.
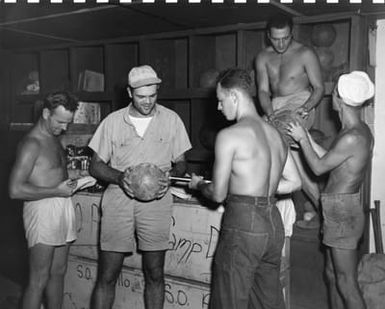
(344, 220)
(124, 218)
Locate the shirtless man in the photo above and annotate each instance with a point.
(39, 177)
(289, 83)
(250, 159)
(347, 161)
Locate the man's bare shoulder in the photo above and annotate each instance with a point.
(349, 138)
(251, 128)
(265, 54)
(234, 132)
(229, 131)
(274, 136)
(304, 50)
(359, 134)
(227, 139)
(355, 139)
(30, 143)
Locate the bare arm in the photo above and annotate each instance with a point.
(101, 170)
(179, 167)
(342, 150)
(218, 188)
(320, 151)
(19, 185)
(263, 84)
(290, 180)
(178, 170)
(313, 70)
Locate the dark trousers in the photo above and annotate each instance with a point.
(246, 268)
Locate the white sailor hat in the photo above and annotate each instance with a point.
(355, 88)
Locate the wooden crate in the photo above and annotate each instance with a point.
(193, 239)
(81, 276)
(87, 210)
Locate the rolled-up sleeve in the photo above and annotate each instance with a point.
(181, 141)
(101, 142)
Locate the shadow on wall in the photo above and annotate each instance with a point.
(13, 257)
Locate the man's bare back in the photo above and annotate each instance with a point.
(251, 160)
(259, 155)
(250, 156)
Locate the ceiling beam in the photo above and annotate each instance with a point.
(47, 36)
(51, 16)
(285, 8)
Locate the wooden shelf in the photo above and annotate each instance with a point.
(188, 93)
(73, 128)
(28, 98)
(16, 126)
(81, 95)
(99, 97)
(79, 128)
(102, 97)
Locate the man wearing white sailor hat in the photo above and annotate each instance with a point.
(347, 161)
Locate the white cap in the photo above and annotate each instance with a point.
(142, 76)
(355, 88)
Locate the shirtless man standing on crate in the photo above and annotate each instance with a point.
(39, 177)
(289, 85)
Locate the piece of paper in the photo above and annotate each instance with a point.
(85, 182)
(87, 113)
(180, 192)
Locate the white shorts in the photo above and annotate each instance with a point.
(49, 221)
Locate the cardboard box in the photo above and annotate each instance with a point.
(193, 238)
(81, 276)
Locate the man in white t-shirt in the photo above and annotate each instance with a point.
(142, 132)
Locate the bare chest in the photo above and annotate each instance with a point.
(281, 68)
(52, 155)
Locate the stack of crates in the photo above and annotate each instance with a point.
(193, 239)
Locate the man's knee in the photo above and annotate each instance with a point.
(154, 274)
(39, 278)
(58, 270)
(107, 277)
(329, 273)
(109, 268)
(346, 282)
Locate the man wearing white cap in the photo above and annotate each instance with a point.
(347, 161)
(142, 132)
